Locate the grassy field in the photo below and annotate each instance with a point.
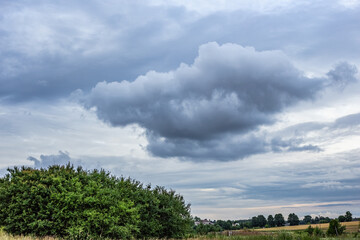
(4, 236)
(350, 227)
(283, 233)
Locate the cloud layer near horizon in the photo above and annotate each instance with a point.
(212, 108)
(299, 185)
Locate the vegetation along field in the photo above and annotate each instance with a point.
(245, 235)
(350, 227)
(61, 202)
(73, 203)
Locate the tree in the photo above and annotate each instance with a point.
(65, 202)
(172, 214)
(348, 216)
(314, 231)
(73, 203)
(271, 221)
(229, 223)
(318, 232)
(324, 219)
(245, 224)
(307, 219)
(342, 218)
(261, 221)
(205, 229)
(335, 228)
(225, 225)
(254, 222)
(293, 219)
(309, 230)
(279, 220)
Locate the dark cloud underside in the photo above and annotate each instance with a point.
(193, 111)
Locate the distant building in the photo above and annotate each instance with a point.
(204, 222)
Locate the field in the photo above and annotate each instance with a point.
(274, 233)
(4, 236)
(283, 233)
(350, 227)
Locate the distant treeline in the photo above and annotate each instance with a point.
(203, 227)
(73, 203)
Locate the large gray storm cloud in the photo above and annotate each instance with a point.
(212, 108)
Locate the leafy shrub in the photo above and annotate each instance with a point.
(77, 204)
(309, 230)
(284, 236)
(314, 231)
(305, 236)
(335, 228)
(203, 229)
(318, 232)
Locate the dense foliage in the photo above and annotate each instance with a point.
(335, 228)
(314, 231)
(271, 221)
(279, 220)
(307, 219)
(74, 203)
(203, 229)
(348, 216)
(293, 219)
(259, 221)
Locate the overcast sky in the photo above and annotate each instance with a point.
(244, 107)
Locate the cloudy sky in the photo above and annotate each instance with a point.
(244, 107)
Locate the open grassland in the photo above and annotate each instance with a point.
(277, 233)
(273, 236)
(350, 227)
(261, 237)
(4, 236)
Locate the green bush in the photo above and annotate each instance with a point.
(305, 236)
(318, 232)
(284, 236)
(335, 228)
(202, 229)
(309, 230)
(77, 204)
(314, 231)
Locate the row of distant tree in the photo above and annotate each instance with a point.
(293, 219)
(261, 221)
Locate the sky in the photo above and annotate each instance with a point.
(243, 107)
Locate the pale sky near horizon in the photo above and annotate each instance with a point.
(244, 107)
